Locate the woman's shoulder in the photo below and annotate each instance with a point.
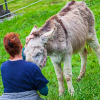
(5, 62)
(31, 65)
(20, 62)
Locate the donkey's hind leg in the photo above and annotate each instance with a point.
(83, 55)
(93, 42)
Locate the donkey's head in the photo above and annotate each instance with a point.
(35, 50)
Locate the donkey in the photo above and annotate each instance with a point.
(63, 35)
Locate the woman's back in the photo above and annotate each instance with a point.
(21, 79)
(20, 76)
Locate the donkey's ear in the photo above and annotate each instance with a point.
(34, 29)
(35, 26)
(47, 26)
(47, 35)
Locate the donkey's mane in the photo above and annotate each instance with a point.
(49, 23)
(66, 9)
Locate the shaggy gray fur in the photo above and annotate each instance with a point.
(63, 35)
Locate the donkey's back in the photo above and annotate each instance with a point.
(79, 22)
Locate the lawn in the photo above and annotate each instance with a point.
(89, 87)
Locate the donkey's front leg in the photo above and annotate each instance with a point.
(67, 71)
(59, 74)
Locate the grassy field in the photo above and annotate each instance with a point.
(89, 87)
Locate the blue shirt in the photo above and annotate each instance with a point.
(20, 76)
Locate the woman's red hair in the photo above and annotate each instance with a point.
(12, 44)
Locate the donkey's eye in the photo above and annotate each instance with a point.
(38, 54)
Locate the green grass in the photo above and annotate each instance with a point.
(89, 87)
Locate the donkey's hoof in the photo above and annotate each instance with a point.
(78, 79)
(61, 93)
(71, 91)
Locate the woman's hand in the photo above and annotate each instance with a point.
(30, 36)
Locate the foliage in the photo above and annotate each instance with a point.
(89, 87)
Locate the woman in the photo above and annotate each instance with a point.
(21, 79)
